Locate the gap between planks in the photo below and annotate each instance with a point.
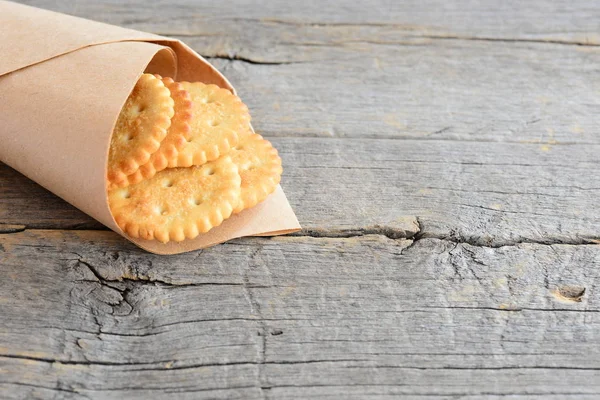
(411, 228)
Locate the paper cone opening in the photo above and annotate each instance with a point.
(58, 116)
(273, 216)
(60, 99)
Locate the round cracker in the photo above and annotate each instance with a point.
(177, 135)
(259, 166)
(141, 126)
(178, 203)
(218, 116)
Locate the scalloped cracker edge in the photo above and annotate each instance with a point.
(141, 126)
(259, 166)
(177, 135)
(218, 117)
(178, 203)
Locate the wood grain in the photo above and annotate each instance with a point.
(421, 70)
(259, 318)
(575, 21)
(467, 191)
(441, 158)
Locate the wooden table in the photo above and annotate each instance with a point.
(443, 159)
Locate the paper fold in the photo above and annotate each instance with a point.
(63, 81)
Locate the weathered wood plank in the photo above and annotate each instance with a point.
(486, 210)
(495, 104)
(470, 191)
(457, 90)
(485, 194)
(54, 380)
(397, 74)
(297, 316)
(575, 21)
(25, 203)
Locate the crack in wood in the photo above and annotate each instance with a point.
(69, 362)
(516, 309)
(205, 390)
(416, 32)
(8, 228)
(317, 133)
(163, 390)
(55, 389)
(255, 308)
(412, 394)
(453, 262)
(390, 232)
(362, 363)
(144, 280)
(344, 233)
(509, 40)
(489, 242)
(248, 60)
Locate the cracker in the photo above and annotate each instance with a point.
(218, 115)
(141, 126)
(178, 203)
(259, 166)
(177, 135)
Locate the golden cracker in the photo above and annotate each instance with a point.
(141, 126)
(176, 138)
(259, 166)
(218, 115)
(178, 203)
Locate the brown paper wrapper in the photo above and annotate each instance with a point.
(63, 81)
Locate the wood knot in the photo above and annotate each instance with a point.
(569, 293)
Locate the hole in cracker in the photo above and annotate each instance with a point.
(126, 195)
(168, 183)
(197, 202)
(209, 171)
(213, 123)
(137, 110)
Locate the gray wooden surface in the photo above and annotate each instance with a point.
(443, 160)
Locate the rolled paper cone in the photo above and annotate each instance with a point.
(63, 81)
